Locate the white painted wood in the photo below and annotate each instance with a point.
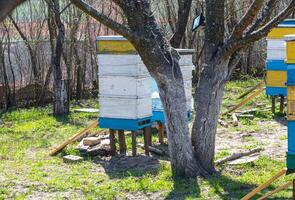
(276, 44)
(111, 37)
(289, 37)
(128, 65)
(124, 86)
(125, 108)
(187, 71)
(276, 54)
(186, 60)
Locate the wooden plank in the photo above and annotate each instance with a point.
(133, 134)
(80, 134)
(113, 142)
(282, 187)
(122, 142)
(255, 94)
(259, 85)
(161, 133)
(264, 185)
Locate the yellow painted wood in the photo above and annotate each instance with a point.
(290, 58)
(115, 47)
(276, 78)
(279, 33)
(264, 185)
(291, 93)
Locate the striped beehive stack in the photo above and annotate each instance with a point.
(276, 54)
(290, 61)
(186, 66)
(124, 85)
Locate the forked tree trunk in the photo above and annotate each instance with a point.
(172, 94)
(208, 98)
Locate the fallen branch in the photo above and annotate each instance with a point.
(153, 150)
(73, 138)
(237, 155)
(259, 85)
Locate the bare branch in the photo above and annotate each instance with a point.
(265, 16)
(117, 27)
(184, 7)
(233, 45)
(263, 31)
(247, 19)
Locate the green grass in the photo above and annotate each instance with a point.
(27, 135)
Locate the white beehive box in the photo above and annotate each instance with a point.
(186, 67)
(276, 49)
(129, 65)
(130, 86)
(124, 82)
(124, 107)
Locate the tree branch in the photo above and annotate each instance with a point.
(263, 31)
(247, 19)
(7, 6)
(265, 16)
(232, 45)
(184, 7)
(117, 27)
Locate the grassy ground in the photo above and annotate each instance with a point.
(27, 172)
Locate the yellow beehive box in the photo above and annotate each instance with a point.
(291, 102)
(276, 78)
(114, 45)
(290, 48)
(280, 32)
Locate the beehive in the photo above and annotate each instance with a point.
(290, 40)
(124, 85)
(276, 54)
(186, 67)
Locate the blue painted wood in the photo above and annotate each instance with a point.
(125, 124)
(291, 137)
(276, 91)
(276, 65)
(158, 116)
(288, 22)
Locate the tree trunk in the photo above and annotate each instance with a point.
(208, 98)
(183, 161)
(61, 101)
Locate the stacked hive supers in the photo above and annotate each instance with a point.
(276, 54)
(124, 85)
(290, 61)
(129, 96)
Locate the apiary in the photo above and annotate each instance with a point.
(290, 41)
(276, 68)
(186, 66)
(124, 85)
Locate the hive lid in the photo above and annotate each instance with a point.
(185, 51)
(289, 37)
(111, 37)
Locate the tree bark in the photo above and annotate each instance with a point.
(61, 100)
(208, 98)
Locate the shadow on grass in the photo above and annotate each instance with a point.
(184, 188)
(124, 166)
